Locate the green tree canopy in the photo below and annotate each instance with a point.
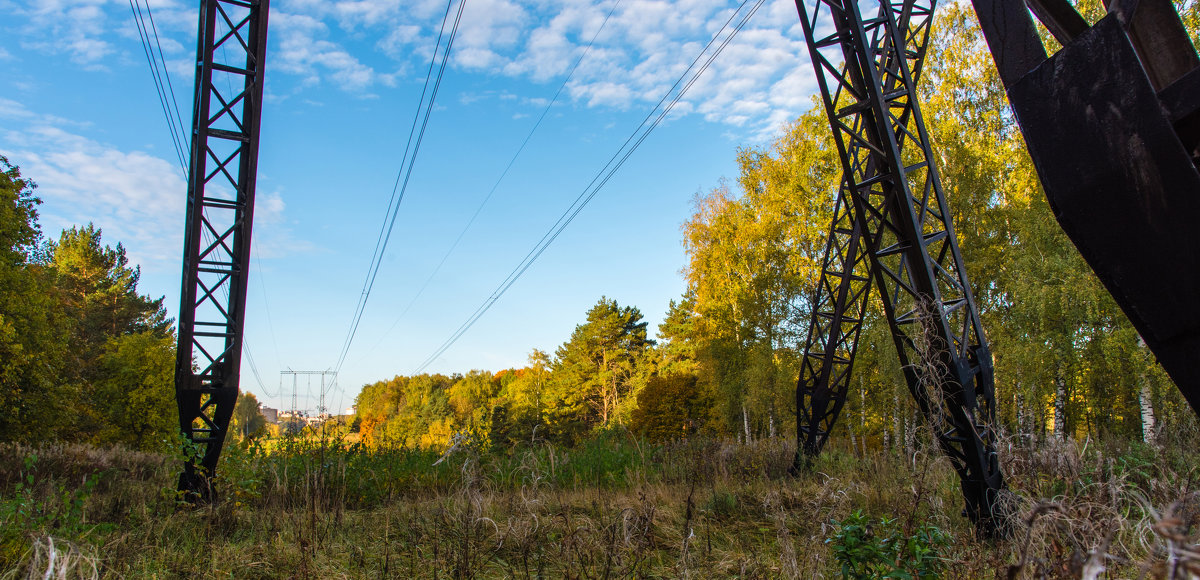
(599, 369)
(33, 340)
(248, 421)
(135, 391)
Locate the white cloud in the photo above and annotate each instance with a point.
(74, 27)
(642, 49)
(10, 109)
(273, 236)
(303, 53)
(647, 44)
(136, 198)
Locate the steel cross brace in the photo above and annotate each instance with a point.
(866, 69)
(840, 299)
(220, 209)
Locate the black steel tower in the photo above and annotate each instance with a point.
(216, 252)
(892, 225)
(1112, 123)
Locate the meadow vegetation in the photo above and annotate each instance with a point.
(612, 507)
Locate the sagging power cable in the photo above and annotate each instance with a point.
(618, 159)
(162, 81)
(503, 174)
(415, 137)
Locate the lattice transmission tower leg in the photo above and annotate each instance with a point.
(839, 302)
(869, 94)
(216, 254)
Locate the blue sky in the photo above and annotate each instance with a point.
(78, 113)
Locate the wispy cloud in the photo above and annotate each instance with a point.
(757, 83)
(73, 27)
(135, 197)
(304, 51)
(363, 46)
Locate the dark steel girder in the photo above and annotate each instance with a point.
(866, 69)
(1112, 123)
(220, 210)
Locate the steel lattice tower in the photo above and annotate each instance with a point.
(892, 225)
(220, 210)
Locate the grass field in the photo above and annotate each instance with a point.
(613, 508)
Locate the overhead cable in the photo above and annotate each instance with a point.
(503, 174)
(415, 137)
(162, 88)
(602, 177)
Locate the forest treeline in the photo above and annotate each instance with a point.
(725, 358)
(85, 357)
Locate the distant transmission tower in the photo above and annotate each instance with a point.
(330, 375)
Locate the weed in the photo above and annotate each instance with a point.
(870, 549)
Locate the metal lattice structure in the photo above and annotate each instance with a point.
(216, 254)
(892, 225)
(840, 300)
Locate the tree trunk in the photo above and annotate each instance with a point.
(862, 414)
(1019, 406)
(746, 423)
(1147, 411)
(1060, 408)
(1144, 399)
(897, 430)
(910, 433)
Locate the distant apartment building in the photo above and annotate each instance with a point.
(270, 414)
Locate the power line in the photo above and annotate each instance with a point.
(504, 173)
(267, 308)
(402, 178)
(602, 177)
(171, 88)
(160, 88)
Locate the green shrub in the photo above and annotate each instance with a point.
(868, 549)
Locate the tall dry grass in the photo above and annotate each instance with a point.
(614, 508)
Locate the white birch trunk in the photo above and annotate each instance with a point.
(1144, 399)
(910, 434)
(1060, 408)
(746, 423)
(897, 431)
(1147, 412)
